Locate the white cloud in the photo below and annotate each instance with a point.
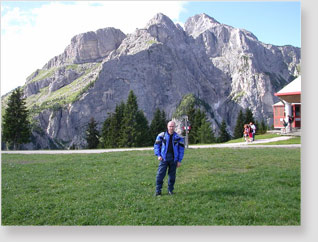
(30, 38)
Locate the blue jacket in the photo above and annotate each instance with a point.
(161, 146)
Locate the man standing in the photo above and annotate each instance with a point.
(169, 148)
(290, 123)
(253, 130)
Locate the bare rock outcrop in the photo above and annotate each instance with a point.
(89, 47)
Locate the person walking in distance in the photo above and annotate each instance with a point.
(246, 133)
(169, 148)
(253, 130)
(285, 125)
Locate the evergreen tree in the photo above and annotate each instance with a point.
(116, 125)
(112, 127)
(198, 117)
(92, 134)
(143, 131)
(129, 126)
(16, 126)
(158, 124)
(106, 138)
(164, 120)
(249, 116)
(191, 117)
(239, 127)
(263, 127)
(195, 119)
(224, 135)
(205, 133)
(258, 131)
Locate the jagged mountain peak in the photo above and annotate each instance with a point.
(164, 30)
(161, 19)
(88, 47)
(90, 34)
(206, 18)
(199, 23)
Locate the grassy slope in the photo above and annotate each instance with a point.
(214, 187)
(65, 95)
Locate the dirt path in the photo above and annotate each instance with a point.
(230, 145)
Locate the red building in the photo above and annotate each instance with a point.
(279, 114)
(290, 104)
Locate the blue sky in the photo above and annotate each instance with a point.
(277, 23)
(272, 22)
(46, 27)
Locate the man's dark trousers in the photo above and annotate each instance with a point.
(171, 165)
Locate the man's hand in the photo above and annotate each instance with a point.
(178, 164)
(160, 158)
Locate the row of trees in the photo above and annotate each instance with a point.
(126, 127)
(201, 131)
(246, 118)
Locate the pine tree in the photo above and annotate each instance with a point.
(106, 138)
(198, 117)
(129, 125)
(205, 133)
(116, 125)
(191, 117)
(239, 127)
(16, 126)
(263, 127)
(143, 132)
(158, 124)
(163, 120)
(112, 127)
(224, 135)
(249, 116)
(258, 131)
(92, 134)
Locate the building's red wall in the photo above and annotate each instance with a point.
(279, 114)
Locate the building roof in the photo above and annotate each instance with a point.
(281, 104)
(278, 104)
(292, 92)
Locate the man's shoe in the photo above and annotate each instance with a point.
(170, 193)
(158, 194)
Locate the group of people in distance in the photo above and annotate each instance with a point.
(249, 132)
(287, 125)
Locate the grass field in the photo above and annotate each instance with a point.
(255, 186)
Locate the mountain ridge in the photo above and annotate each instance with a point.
(226, 67)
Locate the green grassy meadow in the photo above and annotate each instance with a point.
(255, 186)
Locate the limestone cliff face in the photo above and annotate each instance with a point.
(256, 70)
(89, 47)
(226, 67)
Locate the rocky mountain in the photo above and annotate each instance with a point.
(227, 68)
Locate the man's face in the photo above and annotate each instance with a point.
(171, 127)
